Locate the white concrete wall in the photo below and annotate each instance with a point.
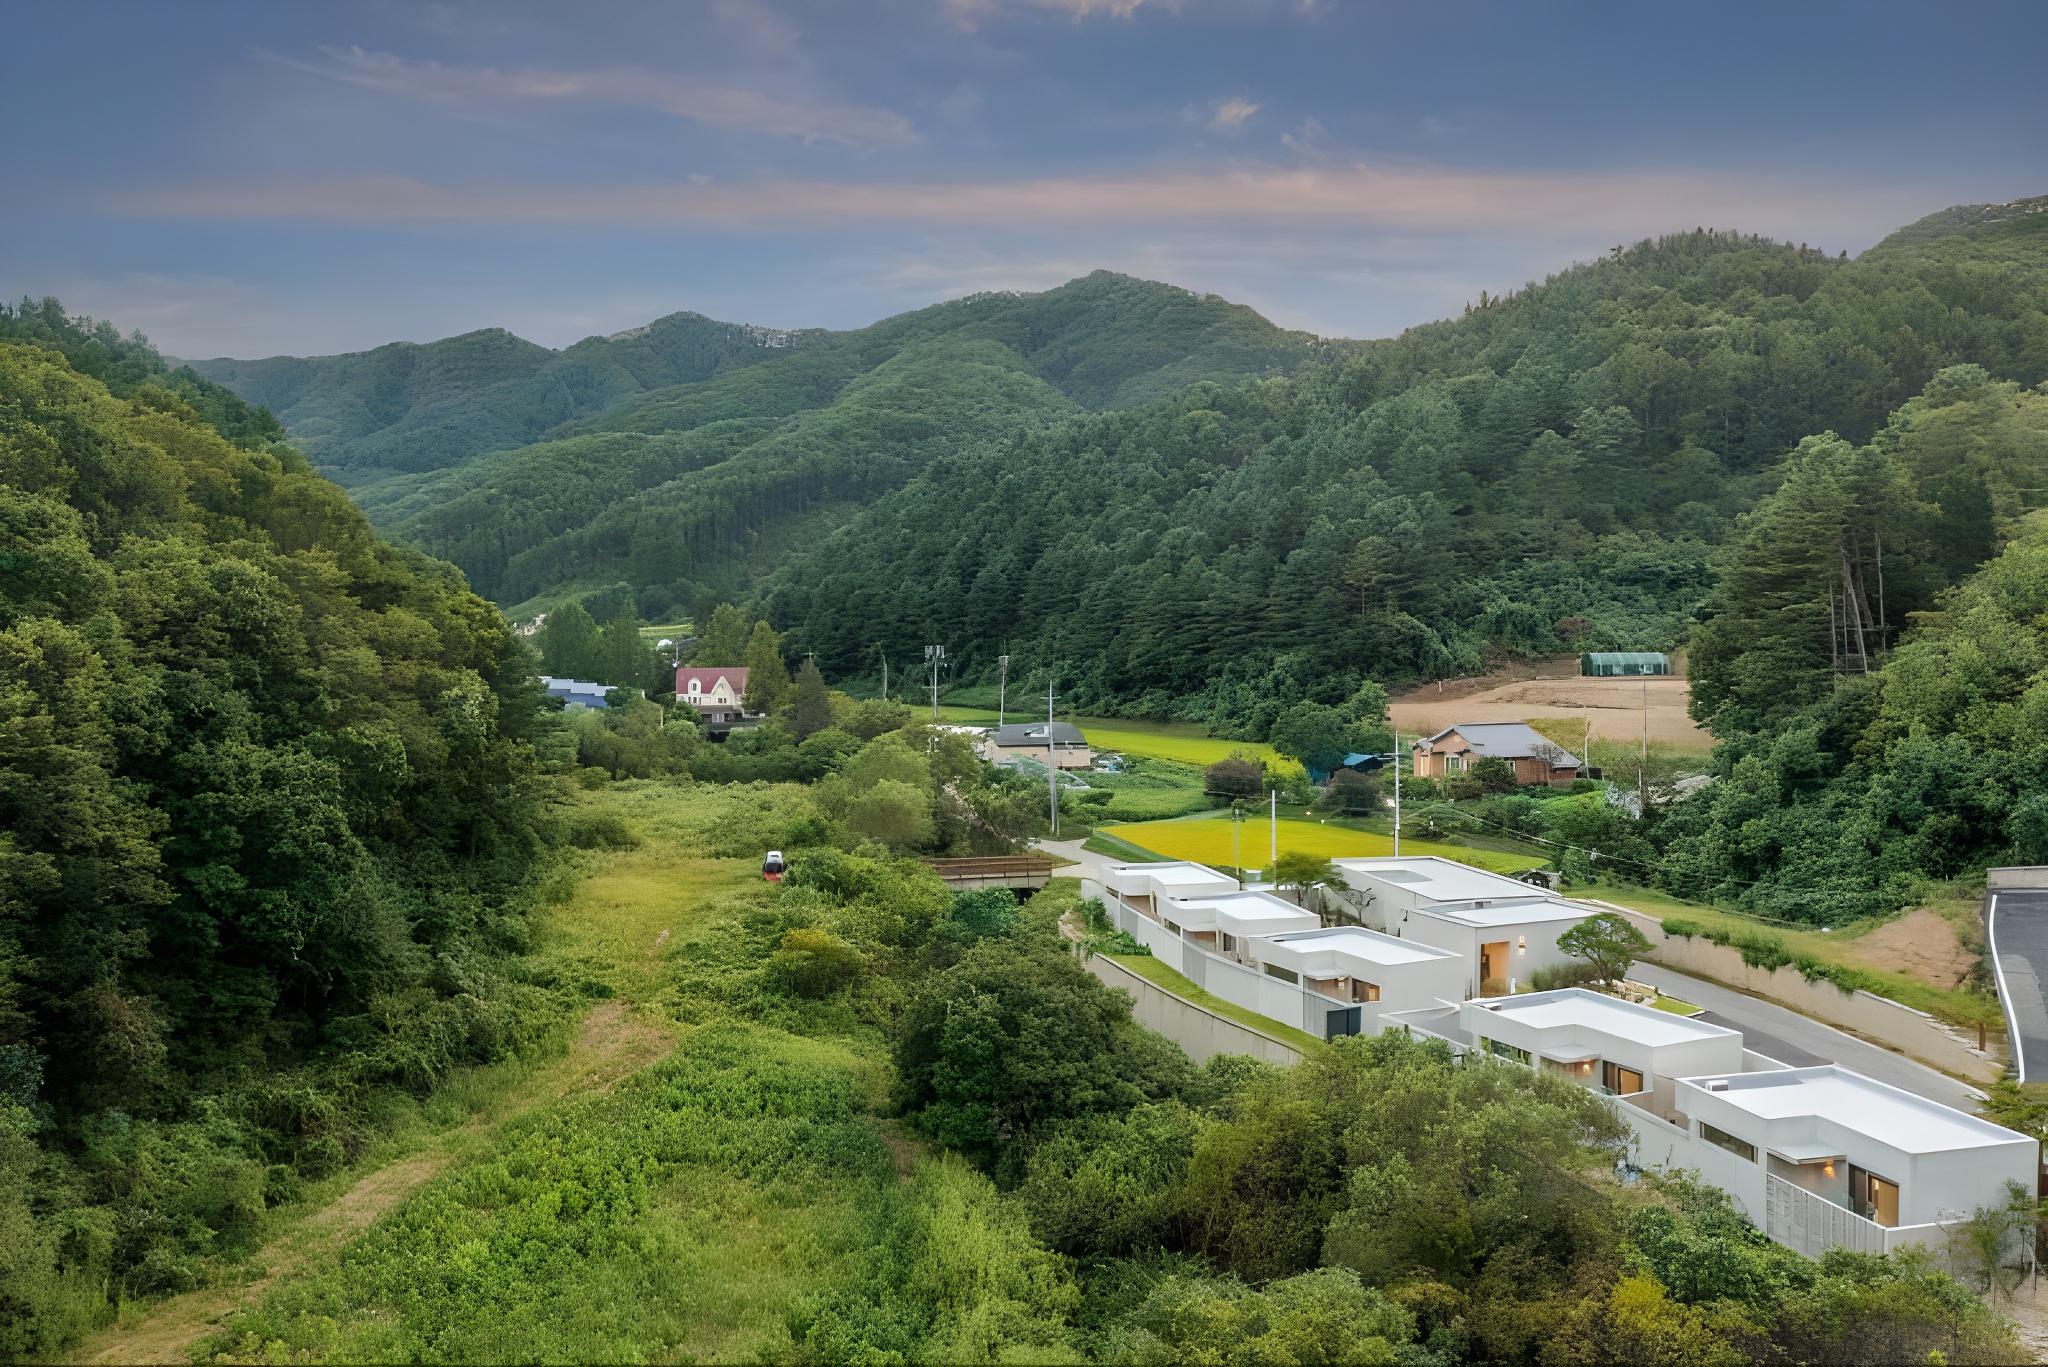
(1201, 1033)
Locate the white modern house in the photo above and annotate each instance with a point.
(1138, 884)
(1222, 922)
(1602, 1042)
(1355, 976)
(1822, 1158)
(1504, 928)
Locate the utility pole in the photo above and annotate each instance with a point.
(1002, 685)
(1643, 760)
(935, 655)
(1237, 840)
(1397, 795)
(1052, 761)
(1273, 829)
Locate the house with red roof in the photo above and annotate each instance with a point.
(715, 691)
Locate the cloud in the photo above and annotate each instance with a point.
(715, 104)
(1231, 114)
(970, 13)
(1608, 205)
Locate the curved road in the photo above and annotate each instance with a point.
(2016, 925)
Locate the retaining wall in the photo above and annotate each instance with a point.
(1201, 1033)
(1911, 1032)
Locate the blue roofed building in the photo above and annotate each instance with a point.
(576, 692)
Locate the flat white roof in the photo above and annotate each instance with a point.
(1858, 1104)
(1361, 943)
(1182, 874)
(1240, 913)
(1444, 880)
(1574, 1008)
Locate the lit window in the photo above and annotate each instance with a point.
(1507, 1051)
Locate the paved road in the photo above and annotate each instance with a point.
(2017, 926)
(1089, 861)
(1787, 1036)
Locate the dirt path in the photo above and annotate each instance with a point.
(611, 1043)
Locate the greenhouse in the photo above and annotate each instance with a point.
(1613, 663)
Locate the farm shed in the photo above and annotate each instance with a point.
(1623, 663)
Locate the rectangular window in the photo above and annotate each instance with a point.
(1285, 975)
(1741, 1148)
(1619, 1081)
(1508, 1051)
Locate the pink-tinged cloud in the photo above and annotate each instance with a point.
(715, 104)
(1611, 205)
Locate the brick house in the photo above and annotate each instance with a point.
(1537, 760)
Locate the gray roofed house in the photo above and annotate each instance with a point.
(1536, 758)
(1029, 740)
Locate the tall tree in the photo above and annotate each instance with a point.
(812, 711)
(767, 675)
(568, 642)
(724, 638)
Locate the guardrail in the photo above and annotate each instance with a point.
(995, 871)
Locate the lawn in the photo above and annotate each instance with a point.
(1152, 971)
(1208, 840)
(1183, 741)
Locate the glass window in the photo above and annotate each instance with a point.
(1286, 975)
(1741, 1148)
(1507, 1051)
(1619, 1080)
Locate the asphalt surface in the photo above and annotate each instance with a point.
(2017, 927)
(1783, 1034)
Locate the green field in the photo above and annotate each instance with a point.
(1208, 840)
(1183, 741)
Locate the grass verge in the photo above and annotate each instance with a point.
(1159, 975)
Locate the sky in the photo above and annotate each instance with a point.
(252, 179)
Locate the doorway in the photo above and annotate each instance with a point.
(1493, 965)
(1874, 1198)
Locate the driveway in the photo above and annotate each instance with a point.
(1783, 1034)
(2016, 924)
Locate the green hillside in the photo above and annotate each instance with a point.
(1552, 471)
(688, 491)
(408, 407)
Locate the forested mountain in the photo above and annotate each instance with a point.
(408, 407)
(1874, 664)
(1551, 471)
(266, 811)
(687, 490)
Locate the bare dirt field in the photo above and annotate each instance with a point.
(1923, 943)
(1554, 688)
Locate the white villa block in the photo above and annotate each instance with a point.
(1177, 879)
(1602, 1042)
(1505, 929)
(1220, 920)
(1825, 1157)
(1364, 967)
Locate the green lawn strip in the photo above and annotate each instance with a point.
(1816, 954)
(1675, 1006)
(1159, 975)
(1101, 842)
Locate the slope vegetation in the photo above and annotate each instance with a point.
(1552, 471)
(685, 488)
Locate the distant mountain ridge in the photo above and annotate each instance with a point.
(537, 471)
(424, 406)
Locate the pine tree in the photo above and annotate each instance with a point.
(568, 643)
(813, 709)
(767, 676)
(724, 638)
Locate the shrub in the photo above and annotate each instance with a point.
(1553, 976)
(812, 963)
(601, 831)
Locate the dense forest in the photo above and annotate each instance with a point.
(1552, 471)
(267, 822)
(1873, 663)
(686, 458)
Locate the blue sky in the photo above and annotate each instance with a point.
(256, 178)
